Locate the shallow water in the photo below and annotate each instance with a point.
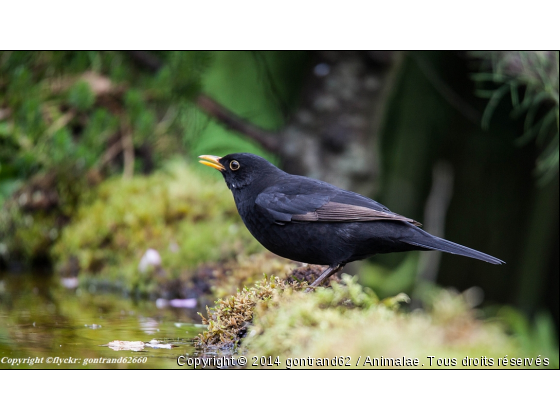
(45, 325)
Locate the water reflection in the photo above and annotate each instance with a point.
(40, 318)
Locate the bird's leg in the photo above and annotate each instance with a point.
(336, 270)
(326, 274)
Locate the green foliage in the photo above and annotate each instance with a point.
(538, 337)
(241, 81)
(91, 113)
(171, 81)
(534, 75)
(80, 96)
(76, 106)
(388, 282)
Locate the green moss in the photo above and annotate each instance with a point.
(349, 320)
(229, 319)
(348, 323)
(28, 236)
(32, 219)
(245, 271)
(188, 219)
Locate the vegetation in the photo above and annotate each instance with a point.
(229, 319)
(277, 320)
(534, 75)
(90, 180)
(65, 120)
(82, 108)
(69, 120)
(187, 219)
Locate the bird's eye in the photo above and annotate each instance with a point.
(234, 165)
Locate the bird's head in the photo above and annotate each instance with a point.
(240, 169)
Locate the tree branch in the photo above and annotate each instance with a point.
(233, 122)
(216, 110)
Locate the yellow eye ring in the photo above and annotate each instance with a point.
(234, 165)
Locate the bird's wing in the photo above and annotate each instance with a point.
(293, 202)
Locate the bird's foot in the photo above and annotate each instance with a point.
(324, 276)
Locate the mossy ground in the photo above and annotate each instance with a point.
(276, 318)
(188, 219)
(229, 319)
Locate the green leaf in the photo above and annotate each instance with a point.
(492, 104)
(81, 96)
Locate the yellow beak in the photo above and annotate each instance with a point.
(214, 162)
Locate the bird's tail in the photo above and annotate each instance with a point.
(425, 240)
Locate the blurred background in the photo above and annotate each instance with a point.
(98, 167)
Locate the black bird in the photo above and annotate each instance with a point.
(307, 220)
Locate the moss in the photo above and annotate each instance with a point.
(31, 221)
(244, 271)
(349, 320)
(276, 318)
(188, 219)
(350, 323)
(229, 319)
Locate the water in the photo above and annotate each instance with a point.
(46, 325)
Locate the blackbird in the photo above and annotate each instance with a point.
(311, 221)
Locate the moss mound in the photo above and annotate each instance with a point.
(349, 323)
(188, 219)
(229, 319)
